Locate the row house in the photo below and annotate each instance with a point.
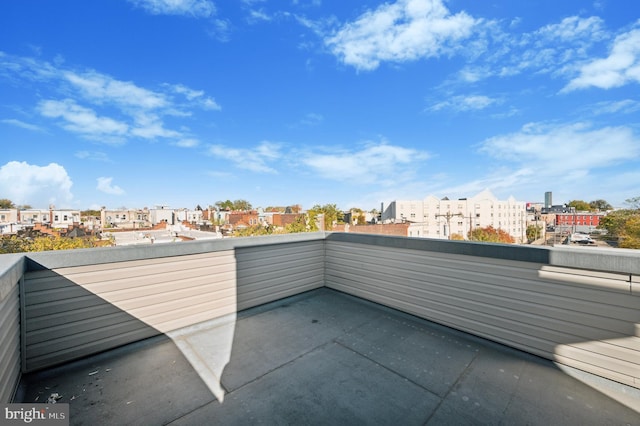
(441, 218)
(125, 218)
(12, 220)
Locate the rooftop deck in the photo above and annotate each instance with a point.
(324, 357)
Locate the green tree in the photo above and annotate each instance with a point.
(490, 235)
(253, 231)
(224, 205)
(242, 205)
(600, 205)
(634, 202)
(6, 204)
(534, 232)
(86, 213)
(331, 215)
(615, 222)
(300, 225)
(579, 205)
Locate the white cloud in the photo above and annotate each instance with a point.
(22, 124)
(622, 66)
(552, 49)
(92, 155)
(403, 31)
(566, 148)
(150, 126)
(625, 106)
(375, 161)
(195, 8)
(253, 159)
(187, 143)
(38, 186)
(464, 103)
(83, 120)
(103, 108)
(105, 185)
(312, 119)
(100, 88)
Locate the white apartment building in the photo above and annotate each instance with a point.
(440, 218)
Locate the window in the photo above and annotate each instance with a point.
(124, 217)
(2, 217)
(65, 218)
(55, 218)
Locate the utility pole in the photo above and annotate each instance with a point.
(448, 216)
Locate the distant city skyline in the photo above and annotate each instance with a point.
(181, 103)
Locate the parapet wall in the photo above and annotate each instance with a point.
(576, 306)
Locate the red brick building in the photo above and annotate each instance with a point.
(579, 220)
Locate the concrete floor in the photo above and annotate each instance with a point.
(327, 358)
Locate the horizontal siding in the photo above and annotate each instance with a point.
(9, 343)
(271, 273)
(76, 311)
(586, 319)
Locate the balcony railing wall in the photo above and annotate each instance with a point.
(11, 270)
(577, 307)
(539, 300)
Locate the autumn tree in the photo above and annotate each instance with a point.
(16, 244)
(630, 237)
(615, 222)
(490, 235)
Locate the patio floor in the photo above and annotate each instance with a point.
(324, 357)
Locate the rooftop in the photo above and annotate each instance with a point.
(325, 357)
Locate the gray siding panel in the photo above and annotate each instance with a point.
(11, 269)
(268, 274)
(586, 319)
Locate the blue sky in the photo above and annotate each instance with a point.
(182, 102)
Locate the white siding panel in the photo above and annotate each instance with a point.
(76, 311)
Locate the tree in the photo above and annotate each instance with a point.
(16, 244)
(457, 237)
(242, 205)
(490, 235)
(300, 225)
(600, 205)
(579, 205)
(534, 232)
(630, 237)
(615, 221)
(6, 204)
(224, 205)
(331, 215)
(634, 202)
